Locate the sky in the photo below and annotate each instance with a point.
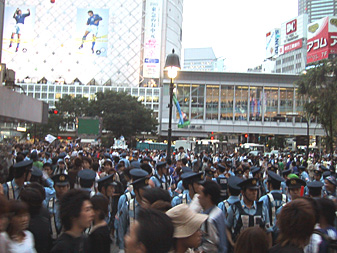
(235, 29)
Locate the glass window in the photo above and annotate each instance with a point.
(38, 88)
(72, 89)
(79, 89)
(99, 89)
(65, 89)
(58, 95)
(44, 95)
(197, 102)
(286, 100)
(44, 88)
(212, 101)
(142, 92)
(37, 95)
(51, 96)
(86, 89)
(183, 96)
(241, 102)
(51, 88)
(30, 87)
(227, 96)
(255, 103)
(58, 88)
(92, 89)
(270, 103)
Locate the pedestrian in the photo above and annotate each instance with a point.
(152, 232)
(252, 240)
(187, 228)
(76, 215)
(99, 237)
(17, 238)
(296, 223)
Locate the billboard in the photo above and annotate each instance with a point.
(272, 43)
(92, 28)
(18, 32)
(291, 46)
(152, 39)
(322, 39)
(57, 42)
(294, 29)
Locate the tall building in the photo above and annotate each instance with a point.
(202, 59)
(124, 42)
(317, 9)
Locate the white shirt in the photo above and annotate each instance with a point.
(10, 246)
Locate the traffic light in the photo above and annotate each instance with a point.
(53, 111)
(212, 136)
(246, 136)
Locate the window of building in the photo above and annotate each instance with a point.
(241, 102)
(227, 96)
(44, 95)
(271, 103)
(298, 65)
(183, 96)
(51, 96)
(286, 100)
(78, 89)
(65, 89)
(212, 102)
(255, 103)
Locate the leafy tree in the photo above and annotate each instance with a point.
(122, 114)
(318, 87)
(72, 107)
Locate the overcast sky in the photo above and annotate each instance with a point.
(235, 29)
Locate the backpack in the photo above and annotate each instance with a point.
(331, 243)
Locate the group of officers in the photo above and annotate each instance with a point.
(246, 199)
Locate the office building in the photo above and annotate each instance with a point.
(317, 9)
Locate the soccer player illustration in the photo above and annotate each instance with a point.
(18, 28)
(92, 27)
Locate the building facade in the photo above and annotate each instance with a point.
(202, 59)
(317, 9)
(236, 103)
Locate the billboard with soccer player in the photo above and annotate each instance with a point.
(92, 31)
(18, 32)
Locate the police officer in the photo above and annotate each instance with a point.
(61, 185)
(160, 177)
(315, 189)
(222, 181)
(256, 173)
(130, 210)
(247, 212)
(233, 192)
(303, 174)
(86, 180)
(22, 173)
(330, 187)
(285, 174)
(45, 181)
(190, 183)
(274, 199)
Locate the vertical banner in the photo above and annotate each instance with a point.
(152, 38)
(92, 28)
(18, 32)
(183, 119)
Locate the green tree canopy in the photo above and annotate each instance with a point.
(318, 87)
(122, 114)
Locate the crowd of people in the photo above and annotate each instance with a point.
(73, 198)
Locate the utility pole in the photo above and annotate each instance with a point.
(2, 18)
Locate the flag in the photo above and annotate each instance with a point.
(50, 138)
(183, 120)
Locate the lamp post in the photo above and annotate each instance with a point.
(172, 65)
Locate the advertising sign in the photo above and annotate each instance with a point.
(322, 39)
(92, 31)
(294, 29)
(18, 33)
(152, 39)
(293, 46)
(272, 43)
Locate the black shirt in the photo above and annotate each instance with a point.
(100, 240)
(69, 244)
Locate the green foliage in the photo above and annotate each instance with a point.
(122, 114)
(318, 87)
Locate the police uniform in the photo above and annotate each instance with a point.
(275, 198)
(261, 190)
(162, 181)
(315, 188)
(88, 177)
(49, 189)
(240, 216)
(331, 195)
(233, 182)
(285, 174)
(184, 197)
(54, 207)
(222, 181)
(130, 209)
(11, 189)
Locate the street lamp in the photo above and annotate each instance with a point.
(172, 65)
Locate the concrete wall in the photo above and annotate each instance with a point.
(19, 107)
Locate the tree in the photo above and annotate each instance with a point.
(122, 114)
(72, 107)
(318, 88)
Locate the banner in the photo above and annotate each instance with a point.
(50, 138)
(183, 121)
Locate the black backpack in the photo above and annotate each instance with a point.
(331, 243)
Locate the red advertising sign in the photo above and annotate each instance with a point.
(291, 27)
(321, 42)
(293, 45)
